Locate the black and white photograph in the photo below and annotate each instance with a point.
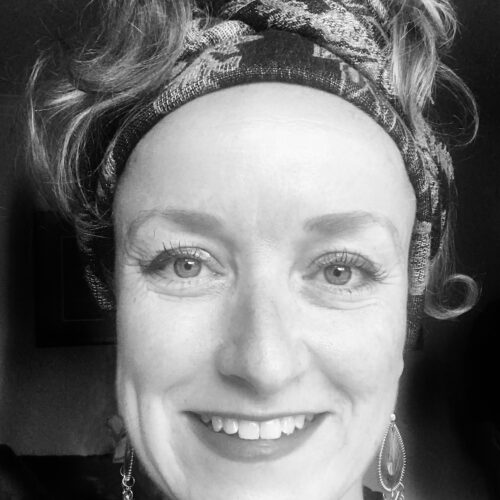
(249, 250)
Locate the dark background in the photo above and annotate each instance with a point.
(55, 400)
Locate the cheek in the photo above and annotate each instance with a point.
(359, 350)
(363, 360)
(163, 344)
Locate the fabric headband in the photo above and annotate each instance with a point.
(336, 46)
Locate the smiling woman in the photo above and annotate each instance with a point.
(265, 221)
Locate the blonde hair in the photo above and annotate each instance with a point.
(77, 99)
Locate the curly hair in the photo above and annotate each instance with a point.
(77, 99)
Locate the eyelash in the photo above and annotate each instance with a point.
(163, 280)
(165, 256)
(350, 259)
(373, 272)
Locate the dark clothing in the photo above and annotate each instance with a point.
(371, 495)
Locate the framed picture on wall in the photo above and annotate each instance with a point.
(65, 310)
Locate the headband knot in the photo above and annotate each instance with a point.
(353, 30)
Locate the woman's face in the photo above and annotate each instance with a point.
(262, 236)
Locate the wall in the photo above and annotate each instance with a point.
(52, 400)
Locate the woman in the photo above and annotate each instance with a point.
(263, 203)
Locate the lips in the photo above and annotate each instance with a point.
(272, 428)
(250, 439)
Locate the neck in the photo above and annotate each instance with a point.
(355, 492)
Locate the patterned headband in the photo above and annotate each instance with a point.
(338, 46)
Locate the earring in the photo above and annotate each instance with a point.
(128, 480)
(392, 463)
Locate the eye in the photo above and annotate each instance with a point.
(342, 273)
(187, 268)
(183, 271)
(337, 274)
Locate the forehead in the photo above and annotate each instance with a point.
(261, 145)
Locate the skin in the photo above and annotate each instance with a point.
(282, 178)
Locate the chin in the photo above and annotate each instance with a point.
(189, 460)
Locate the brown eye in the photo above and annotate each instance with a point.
(187, 268)
(337, 275)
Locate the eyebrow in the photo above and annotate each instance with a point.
(198, 222)
(351, 222)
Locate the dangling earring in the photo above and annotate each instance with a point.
(392, 463)
(128, 480)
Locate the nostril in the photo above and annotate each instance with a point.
(264, 365)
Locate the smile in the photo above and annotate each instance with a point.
(253, 430)
(245, 438)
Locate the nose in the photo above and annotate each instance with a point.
(261, 350)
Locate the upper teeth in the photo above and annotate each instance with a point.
(249, 429)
